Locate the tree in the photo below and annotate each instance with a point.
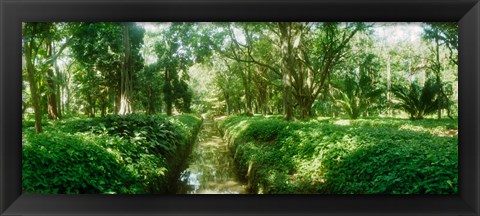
(228, 86)
(32, 33)
(304, 56)
(51, 85)
(325, 47)
(42, 46)
(126, 83)
(418, 100)
(254, 54)
(149, 90)
(97, 48)
(360, 90)
(181, 46)
(290, 35)
(109, 54)
(442, 34)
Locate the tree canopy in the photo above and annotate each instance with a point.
(299, 70)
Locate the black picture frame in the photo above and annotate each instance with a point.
(14, 12)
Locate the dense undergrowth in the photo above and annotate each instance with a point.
(336, 156)
(114, 154)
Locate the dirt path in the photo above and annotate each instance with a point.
(210, 169)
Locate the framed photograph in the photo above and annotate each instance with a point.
(232, 107)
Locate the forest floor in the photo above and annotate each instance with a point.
(210, 169)
(138, 154)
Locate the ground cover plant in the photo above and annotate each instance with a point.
(341, 156)
(113, 154)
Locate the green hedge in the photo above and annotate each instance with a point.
(115, 154)
(335, 156)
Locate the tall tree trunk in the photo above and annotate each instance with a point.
(59, 92)
(308, 106)
(90, 109)
(169, 108)
(103, 110)
(167, 91)
(103, 104)
(31, 78)
(439, 70)
(287, 98)
(151, 102)
(264, 99)
(51, 97)
(126, 75)
(248, 96)
(227, 103)
(59, 101)
(59, 87)
(67, 93)
(51, 86)
(116, 100)
(389, 86)
(287, 69)
(67, 101)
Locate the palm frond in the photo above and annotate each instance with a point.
(418, 100)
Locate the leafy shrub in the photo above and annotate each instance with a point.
(418, 100)
(155, 135)
(334, 156)
(359, 92)
(147, 150)
(63, 163)
(264, 130)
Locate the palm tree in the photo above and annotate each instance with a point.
(418, 100)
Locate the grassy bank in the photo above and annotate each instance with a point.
(115, 154)
(337, 156)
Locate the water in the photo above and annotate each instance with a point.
(211, 169)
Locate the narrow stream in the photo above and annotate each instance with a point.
(210, 169)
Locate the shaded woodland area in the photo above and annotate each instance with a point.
(80, 79)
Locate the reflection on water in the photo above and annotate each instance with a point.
(210, 169)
